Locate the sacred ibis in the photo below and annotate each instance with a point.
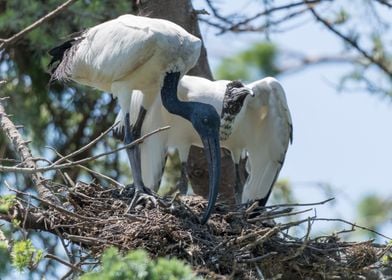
(255, 119)
(151, 55)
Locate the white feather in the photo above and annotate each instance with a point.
(132, 53)
(262, 130)
(269, 127)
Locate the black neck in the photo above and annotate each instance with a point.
(169, 97)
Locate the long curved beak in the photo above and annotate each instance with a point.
(212, 152)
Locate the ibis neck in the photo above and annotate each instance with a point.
(226, 126)
(169, 97)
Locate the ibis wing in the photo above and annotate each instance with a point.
(109, 52)
(268, 137)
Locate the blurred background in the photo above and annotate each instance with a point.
(332, 57)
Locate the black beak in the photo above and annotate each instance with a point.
(212, 152)
(245, 91)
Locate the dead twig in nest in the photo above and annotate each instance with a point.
(229, 245)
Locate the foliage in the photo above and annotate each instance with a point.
(6, 202)
(373, 211)
(137, 265)
(4, 256)
(257, 61)
(24, 254)
(54, 114)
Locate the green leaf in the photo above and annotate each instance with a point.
(25, 255)
(6, 202)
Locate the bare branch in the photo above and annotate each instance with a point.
(242, 26)
(380, 64)
(353, 225)
(86, 147)
(53, 257)
(12, 40)
(385, 3)
(32, 170)
(23, 150)
(100, 175)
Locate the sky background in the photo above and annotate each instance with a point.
(341, 139)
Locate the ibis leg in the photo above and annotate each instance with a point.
(182, 184)
(132, 133)
(238, 187)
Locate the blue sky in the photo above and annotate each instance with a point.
(343, 139)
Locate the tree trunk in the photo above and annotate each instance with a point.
(182, 13)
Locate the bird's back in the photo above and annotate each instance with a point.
(130, 48)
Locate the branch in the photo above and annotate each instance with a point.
(21, 148)
(238, 26)
(100, 175)
(82, 149)
(352, 42)
(304, 61)
(385, 3)
(12, 40)
(32, 170)
(72, 266)
(353, 225)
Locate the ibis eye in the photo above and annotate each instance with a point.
(205, 120)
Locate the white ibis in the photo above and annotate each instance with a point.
(259, 125)
(151, 55)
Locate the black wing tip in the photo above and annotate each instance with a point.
(58, 53)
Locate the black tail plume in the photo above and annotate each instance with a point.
(61, 56)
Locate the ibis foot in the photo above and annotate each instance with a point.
(142, 196)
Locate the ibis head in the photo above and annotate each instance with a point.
(206, 122)
(233, 101)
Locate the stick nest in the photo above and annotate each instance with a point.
(235, 243)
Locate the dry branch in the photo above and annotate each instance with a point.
(12, 40)
(69, 164)
(353, 43)
(21, 148)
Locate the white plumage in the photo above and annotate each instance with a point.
(148, 57)
(263, 129)
(131, 53)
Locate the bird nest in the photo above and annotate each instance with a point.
(236, 243)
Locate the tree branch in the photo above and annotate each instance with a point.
(35, 169)
(352, 42)
(12, 40)
(21, 148)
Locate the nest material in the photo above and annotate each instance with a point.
(236, 244)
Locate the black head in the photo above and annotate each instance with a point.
(205, 120)
(234, 98)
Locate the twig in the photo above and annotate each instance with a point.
(268, 217)
(7, 42)
(303, 246)
(100, 175)
(76, 163)
(257, 259)
(231, 26)
(352, 42)
(352, 224)
(58, 208)
(53, 257)
(82, 149)
(385, 2)
(300, 204)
